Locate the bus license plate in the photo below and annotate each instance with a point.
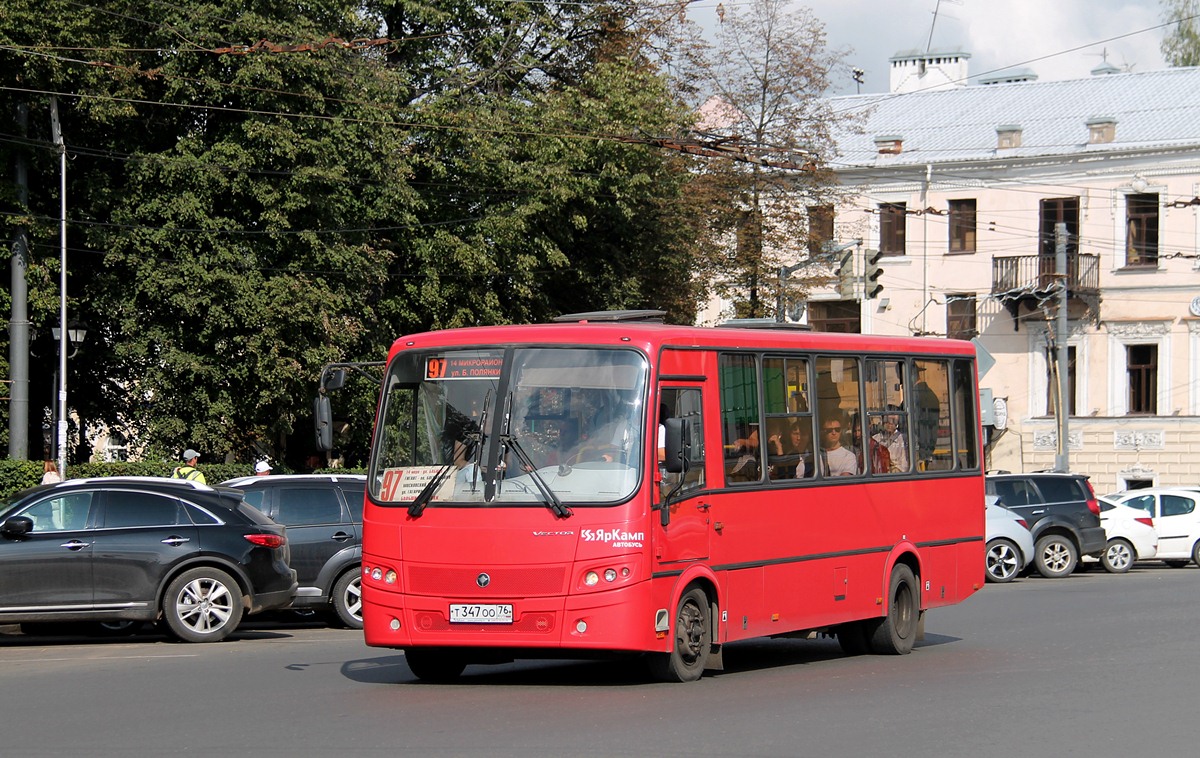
(481, 614)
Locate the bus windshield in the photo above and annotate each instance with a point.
(511, 426)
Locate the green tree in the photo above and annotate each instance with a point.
(1181, 44)
(251, 197)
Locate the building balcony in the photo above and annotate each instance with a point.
(1023, 283)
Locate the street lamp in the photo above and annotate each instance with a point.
(72, 338)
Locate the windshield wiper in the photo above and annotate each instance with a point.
(548, 495)
(478, 438)
(426, 494)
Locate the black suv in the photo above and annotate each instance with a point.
(140, 549)
(323, 515)
(1062, 513)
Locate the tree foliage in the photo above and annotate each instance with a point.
(256, 190)
(1181, 44)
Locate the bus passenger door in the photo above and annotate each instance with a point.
(685, 538)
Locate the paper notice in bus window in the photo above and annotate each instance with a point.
(404, 484)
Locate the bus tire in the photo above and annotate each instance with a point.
(431, 664)
(896, 632)
(693, 638)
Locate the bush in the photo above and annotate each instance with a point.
(18, 475)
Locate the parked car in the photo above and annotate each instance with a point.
(1176, 519)
(140, 549)
(1131, 536)
(1009, 543)
(323, 515)
(1062, 514)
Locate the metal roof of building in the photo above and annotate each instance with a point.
(1151, 109)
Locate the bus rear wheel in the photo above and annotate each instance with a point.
(693, 638)
(434, 664)
(896, 632)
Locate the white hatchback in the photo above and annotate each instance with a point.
(1176, 514)
(1131, 536)
(1009, 543)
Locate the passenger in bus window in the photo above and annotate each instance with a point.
(790, 451)
(879, 458)
(746, 455)
(835, 459)
(893, 439)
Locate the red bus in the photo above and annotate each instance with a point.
(608, 484)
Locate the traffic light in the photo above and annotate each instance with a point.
(871, 273)
(845, 276)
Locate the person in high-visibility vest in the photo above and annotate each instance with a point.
(189, 470)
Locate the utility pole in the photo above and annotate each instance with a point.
(63, 337)
(18, 323)
(1061, 458)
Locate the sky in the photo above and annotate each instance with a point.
(1057, 39)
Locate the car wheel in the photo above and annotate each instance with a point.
(689, 654)
(1055, 556)
(1003, 561)
(1196, 554)
(347, 599)
(434, 664)
(202, 605)
(1118, 557)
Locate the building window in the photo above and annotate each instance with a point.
(960, 316)
(891, 228)
(820, 228)
(836, 316)
(962, 226)
(1142, 368)
(1052, 382)
(1141, 230)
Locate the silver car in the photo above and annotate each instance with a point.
(1009, 543)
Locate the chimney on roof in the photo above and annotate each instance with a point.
(1008, 136)
(889, 144)
(1101, 130)
(914, 70)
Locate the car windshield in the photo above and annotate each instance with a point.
(523, 425)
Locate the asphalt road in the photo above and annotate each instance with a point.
(1094, 664)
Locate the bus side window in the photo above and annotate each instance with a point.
(740, 413)
(837, 409)
(931, 396)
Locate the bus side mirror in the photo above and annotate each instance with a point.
(323, 422)
(334, 379)
(676, 457)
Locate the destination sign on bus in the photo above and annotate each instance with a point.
(443, 367)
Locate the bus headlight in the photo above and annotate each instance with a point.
(591, 579)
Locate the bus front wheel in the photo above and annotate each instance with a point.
(693, 637)
(896, 632)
